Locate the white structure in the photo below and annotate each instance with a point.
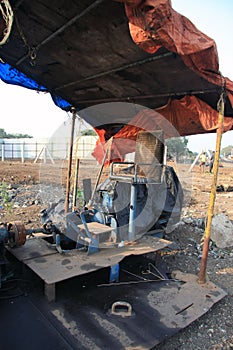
(31, 148)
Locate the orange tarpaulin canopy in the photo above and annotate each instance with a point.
(199, 118)
(153, 25)
(137, 51)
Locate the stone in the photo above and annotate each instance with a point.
(222, 231)
(229, 189)
(187, 220)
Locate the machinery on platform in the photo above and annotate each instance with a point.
(13, 235)
(134, 199)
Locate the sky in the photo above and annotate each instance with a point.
(35, 113)
(214, 18)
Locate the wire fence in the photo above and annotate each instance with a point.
(30, 149)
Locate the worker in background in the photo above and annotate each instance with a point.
(211, 162)
(203, 160)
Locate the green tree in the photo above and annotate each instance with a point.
(227, 151)
(177, 146)
(4, 135)
(88, 132)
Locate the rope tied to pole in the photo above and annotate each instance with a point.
(222, 98)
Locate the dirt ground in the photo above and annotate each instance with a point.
(214, 330)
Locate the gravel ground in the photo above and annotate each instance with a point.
(214, 330)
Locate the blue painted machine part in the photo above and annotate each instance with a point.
(3, 234)
(82, 216)
(93, 246)
(114, 273)
(58, 245)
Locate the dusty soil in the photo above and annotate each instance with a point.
(214, 330)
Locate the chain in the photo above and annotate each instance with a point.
(31, 49)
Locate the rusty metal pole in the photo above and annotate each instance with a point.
(75, 191)
(202, 274)
(69, 168)
(98, 177)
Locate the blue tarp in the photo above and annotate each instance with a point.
(13, 76)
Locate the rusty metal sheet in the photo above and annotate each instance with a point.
(33, 248)
(82, 312)
(159, 310)
(53, 267)
(81, 317)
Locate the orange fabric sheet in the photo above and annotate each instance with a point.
(183, 117)
(154, 24)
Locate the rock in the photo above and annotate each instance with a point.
(229, 189)
(225, 188)
(220, 188)
(16, 204)
(222, 231)
(187, 220)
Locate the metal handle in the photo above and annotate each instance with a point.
(121, 308)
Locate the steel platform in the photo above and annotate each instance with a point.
(53, 267)
(81, 318)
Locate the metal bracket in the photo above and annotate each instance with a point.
(114, 273)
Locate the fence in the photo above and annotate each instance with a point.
(12, 149)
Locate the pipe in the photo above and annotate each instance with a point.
(3, 151)
(76, 182)
(99, 175)
(61, 29)
(132, 212)
(117, 69)
(70, 161)
(145, 97)
(202, 274)
(133, 207)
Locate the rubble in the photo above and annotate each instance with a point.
(27, 195)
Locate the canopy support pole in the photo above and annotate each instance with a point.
(100, 173)
(202, 274)
(76, 176)
(70, 161)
